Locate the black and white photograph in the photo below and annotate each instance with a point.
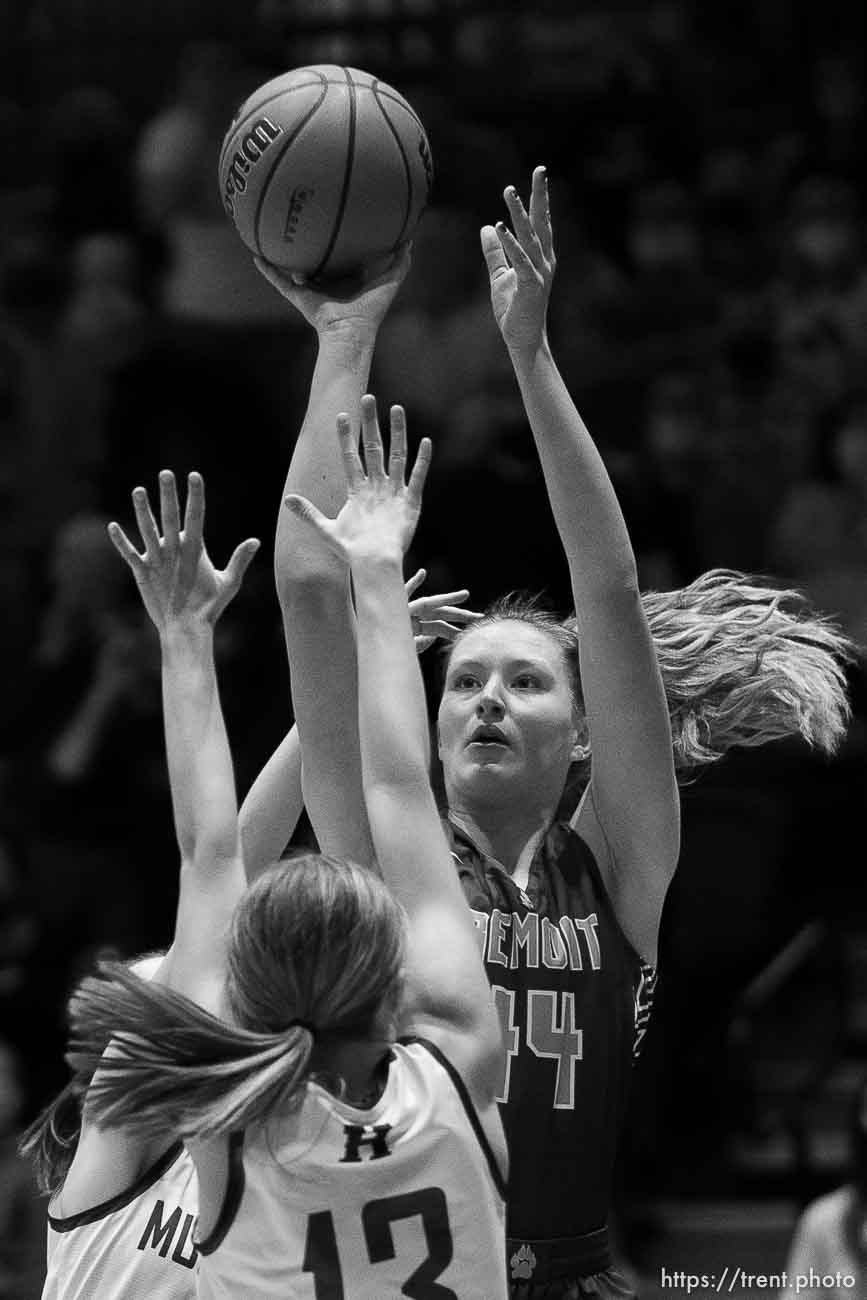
(433, 721)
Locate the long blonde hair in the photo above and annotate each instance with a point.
(316, 951)
(742, 663)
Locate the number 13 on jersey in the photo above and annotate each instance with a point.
(428, 1205)
(551, 1035)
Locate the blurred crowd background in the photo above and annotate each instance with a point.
(709, 315)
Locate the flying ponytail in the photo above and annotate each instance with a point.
(172, 1067)
(744, 663)
(316, 953)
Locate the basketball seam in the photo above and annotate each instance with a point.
(257, 217)
(395, 99)
(347, 179)
(238, 126)
(404, 160)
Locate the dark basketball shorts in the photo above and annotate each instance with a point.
(609, 1285)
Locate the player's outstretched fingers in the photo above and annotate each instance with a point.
(417, 478)
(194, 513)
(524, 266)
(189, 552)
(306, 510)
(125, 548)
(147, 525)
(371, 438)
(446, 602)
(397, 446)
(457, 615)
(439, 628)
(439, 599)
(540, 213)
(170, 511)
(524, 232)
(352, 466)
(494, 252)
(238, 564)
(412, 584)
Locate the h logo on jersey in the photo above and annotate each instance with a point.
(523, 1261)
(359, 1135)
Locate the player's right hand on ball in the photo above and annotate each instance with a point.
(359, 304)
(521, 266)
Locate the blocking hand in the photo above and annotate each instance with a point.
(177, 582)
(381, 511)
(437, 617)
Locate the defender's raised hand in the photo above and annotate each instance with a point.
(175, 576)
(521, 266)
(381, 511)
(437, 617)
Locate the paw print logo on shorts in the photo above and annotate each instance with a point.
(523, 1262)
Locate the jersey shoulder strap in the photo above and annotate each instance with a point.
(466, 1101)
(121, 1199)
(231, 1197)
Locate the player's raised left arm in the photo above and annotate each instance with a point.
(630, 814)
(448, 987)
(313, 583)
(184, 594)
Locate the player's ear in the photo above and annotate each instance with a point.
(581, 743)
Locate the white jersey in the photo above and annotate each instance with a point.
(336, 1203)
(139, 1245)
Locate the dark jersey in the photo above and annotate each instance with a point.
(573, 998)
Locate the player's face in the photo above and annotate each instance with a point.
(507, 720)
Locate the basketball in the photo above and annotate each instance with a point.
(324, 169)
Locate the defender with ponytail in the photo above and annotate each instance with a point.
(315, 952)
(273, 1045)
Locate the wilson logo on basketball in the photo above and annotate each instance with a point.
(260, 137)
(297, 202)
